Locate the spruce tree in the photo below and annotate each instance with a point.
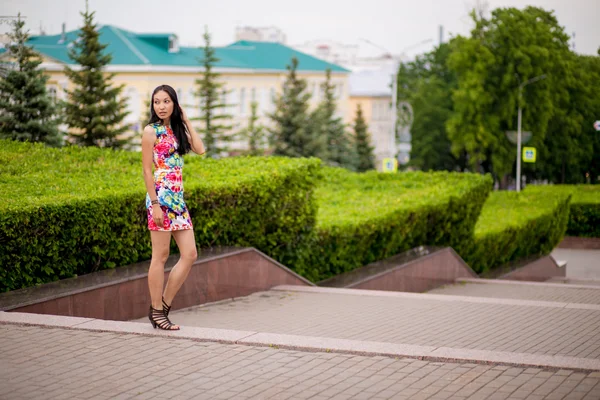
(291, 134)
(213, 110)
(94, 110)
(254, 133)
(27, 113)
(339, 150)
(362, 139)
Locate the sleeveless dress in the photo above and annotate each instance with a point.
(168, 166)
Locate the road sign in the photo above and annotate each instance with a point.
(529, 154)
(597, 125)
(390, 165)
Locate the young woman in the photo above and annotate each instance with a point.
(165, 140)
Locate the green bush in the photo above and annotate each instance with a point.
(371, 216)
(584, 216)
(515, 226)
(75, 210)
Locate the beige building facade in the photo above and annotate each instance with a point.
(250, 71)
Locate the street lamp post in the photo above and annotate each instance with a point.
(521, 86)
(394, 112)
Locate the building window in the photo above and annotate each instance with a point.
(232, 103)
(190, 106)
(273, 101)
(225, 108)
(133, 106)
(243, 101)
(52, 93)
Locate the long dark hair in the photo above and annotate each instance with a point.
(177, 125)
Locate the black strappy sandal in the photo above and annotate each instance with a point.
(158, 319)
(166, 307)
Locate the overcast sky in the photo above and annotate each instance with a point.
(396, 25)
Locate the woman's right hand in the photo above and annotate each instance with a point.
(158, 215)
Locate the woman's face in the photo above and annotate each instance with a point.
(163, 105)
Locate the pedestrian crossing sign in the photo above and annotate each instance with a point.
(529, 154)
(390, 165)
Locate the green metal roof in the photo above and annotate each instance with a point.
(128, 48)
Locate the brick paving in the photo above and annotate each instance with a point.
(416, 320)
(56, 363)
(562, 293)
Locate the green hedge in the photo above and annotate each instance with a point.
(514, 226)
(75, 210)
(371, 216)
(584, 216)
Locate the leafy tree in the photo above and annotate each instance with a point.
(570, 150)
(213, 110)
(27, 113)
(254, 133)
(362, 139)
(504, 51)
(291, 134)
(427, 85)
(95, 109)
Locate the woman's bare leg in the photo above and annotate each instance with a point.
(188, 254)
(156, 274)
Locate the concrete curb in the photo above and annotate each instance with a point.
(307, 343)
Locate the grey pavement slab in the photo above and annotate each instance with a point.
(420, 320)
(58, 363)
(581, 264)
(542, 292)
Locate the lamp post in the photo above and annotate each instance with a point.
(521, 86)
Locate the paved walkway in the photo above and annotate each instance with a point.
(432, 321)
(542, 341)
(58, 363)
(529, 291)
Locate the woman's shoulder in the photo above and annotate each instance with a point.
(155, 127)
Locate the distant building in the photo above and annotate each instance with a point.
(330, 51)
(251, 71)
(258, 34)
(371, 87)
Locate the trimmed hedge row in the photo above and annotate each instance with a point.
(371, 216)
(514, 226)
(584, 216)
(75, 210)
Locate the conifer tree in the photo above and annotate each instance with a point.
(95, 109)
(326, 124)
(291, 134)
(254, 133)
(362, 139)
(215, 129)
(27, 113)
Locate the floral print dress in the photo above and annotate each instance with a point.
(168, 166)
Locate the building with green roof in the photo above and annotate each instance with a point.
(251, 71)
